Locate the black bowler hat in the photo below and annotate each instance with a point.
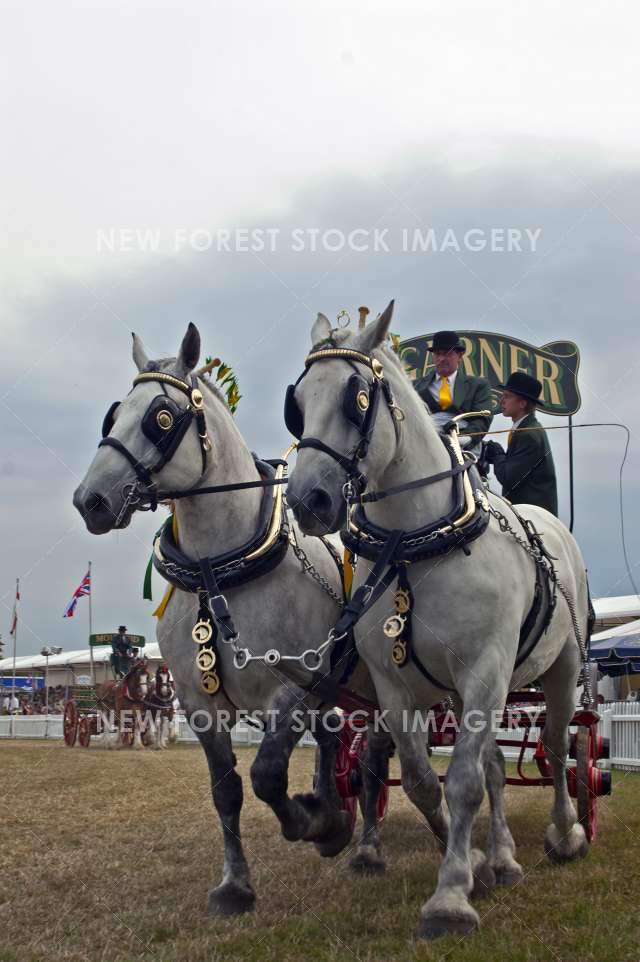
(122, 627)
(524, 386)
(446, 341)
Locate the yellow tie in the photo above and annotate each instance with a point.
(445, 395)
(509, 436)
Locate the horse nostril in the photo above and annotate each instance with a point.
(317, 501)
(95, 502)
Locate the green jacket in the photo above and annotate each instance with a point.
(469, 394)
(526, 472)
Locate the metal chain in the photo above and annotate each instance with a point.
(309, 569)
(539, 559)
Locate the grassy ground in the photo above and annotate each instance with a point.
(109, 856)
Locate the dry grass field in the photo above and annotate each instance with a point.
(109, 856)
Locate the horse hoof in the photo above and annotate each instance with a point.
(447, 923)
(565, 848)
(337, 839)
(367, 861)
(484, 879)
(508, 875)
(231, 898)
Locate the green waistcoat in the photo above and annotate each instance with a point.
(469, 394)
(526, 472)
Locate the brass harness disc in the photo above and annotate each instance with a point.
(164, 420)
(362, 400)
(202, 632)
(399, 653)
(206, 659)
(402, 601)
(393, 626)
(210, 682)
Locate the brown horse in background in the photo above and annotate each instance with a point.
(123, 703)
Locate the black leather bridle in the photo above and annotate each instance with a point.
(370, 405)
(165, 424)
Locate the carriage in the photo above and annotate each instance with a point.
(586, 780)
(86, 707)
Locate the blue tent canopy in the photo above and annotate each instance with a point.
(25, 683)
(618, 655)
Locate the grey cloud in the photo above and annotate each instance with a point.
(256, 311)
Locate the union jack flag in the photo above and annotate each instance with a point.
(84, 588)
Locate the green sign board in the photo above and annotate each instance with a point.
(137, 641)
(496, 356)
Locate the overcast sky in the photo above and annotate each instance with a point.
(136, 132)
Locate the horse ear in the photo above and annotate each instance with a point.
(189, 349)
(375, 333)
(321, 330)
(140, 358)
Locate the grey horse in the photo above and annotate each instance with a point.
(468, 612)
(283, 608)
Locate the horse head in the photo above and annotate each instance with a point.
(343, 411)
(164, 412)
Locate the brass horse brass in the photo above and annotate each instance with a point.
(206, 659)
(202, 632)
(210, 682)
(393, 626)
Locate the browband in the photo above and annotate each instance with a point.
(346, 354)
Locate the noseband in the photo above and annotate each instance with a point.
(360, 405)
(165, 424)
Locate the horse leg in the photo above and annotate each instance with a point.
(137, 730)
(375, 772)
(234, 894)
(500, 845)
(464, 869)
(565, 839)
(313, 817)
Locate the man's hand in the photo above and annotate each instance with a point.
(492, 451)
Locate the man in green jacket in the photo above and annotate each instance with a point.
(526, 470)
(448, 390)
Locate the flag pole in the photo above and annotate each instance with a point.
(93, 670)
(15, 648)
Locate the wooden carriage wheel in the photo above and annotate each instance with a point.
(586, 797)
(84, 731)
(70, 723)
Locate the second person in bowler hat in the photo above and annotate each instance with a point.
(526, 470)
(448, 390)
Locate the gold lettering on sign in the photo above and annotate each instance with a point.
(516, 353)
(488, 358)
(551, 379)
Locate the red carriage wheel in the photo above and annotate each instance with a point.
(70, 723)
(586, 776)
(84, 731)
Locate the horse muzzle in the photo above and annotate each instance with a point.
(314, 508)
(101, 513)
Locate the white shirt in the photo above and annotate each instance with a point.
(436, 384)
(516, 424)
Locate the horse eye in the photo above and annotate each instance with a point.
(164, 420)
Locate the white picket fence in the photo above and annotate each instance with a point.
(620, 723)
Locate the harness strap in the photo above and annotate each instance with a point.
(376, 584)
(216, 601)
(348, 464)
(142, 472)
(418, 483)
